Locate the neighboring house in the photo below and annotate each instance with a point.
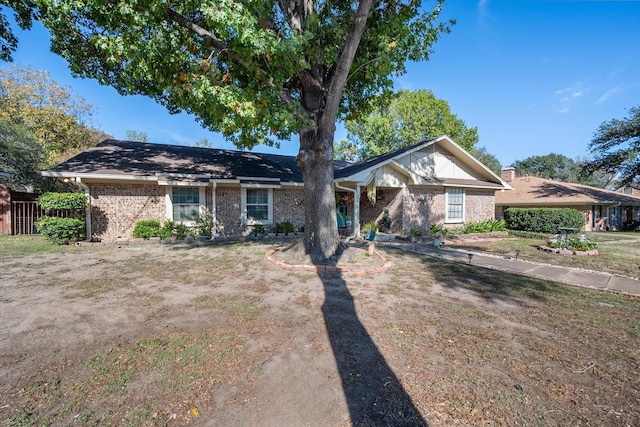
(602, 209)
(435, 181)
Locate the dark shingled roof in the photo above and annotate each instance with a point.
(144, 159)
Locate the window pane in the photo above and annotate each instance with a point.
(258, 212)
(258, 204)
(455, 208)
(186, 212)
(257, 197)
(186, 203)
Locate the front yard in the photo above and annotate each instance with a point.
(170, 335)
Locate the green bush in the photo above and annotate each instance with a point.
(172, 229)
(543, 220)
(61, 231)
(63, 201)
(146, 228)
(204, 224)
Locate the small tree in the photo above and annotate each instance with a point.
(62, 230)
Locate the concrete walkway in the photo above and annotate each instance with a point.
(553, 273)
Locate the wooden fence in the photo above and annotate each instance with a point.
(24, 215)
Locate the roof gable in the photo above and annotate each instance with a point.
(439, 161)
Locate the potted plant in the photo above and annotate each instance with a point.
(414, 234)
(370, 230)
(437, 235)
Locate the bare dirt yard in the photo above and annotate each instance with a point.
(174, 335)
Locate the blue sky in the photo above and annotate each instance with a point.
(535, 77)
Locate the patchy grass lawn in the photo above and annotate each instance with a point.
(161, 335)
(618, 253)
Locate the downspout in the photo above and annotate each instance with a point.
(356, 210)
(87, 214)
(214, 219)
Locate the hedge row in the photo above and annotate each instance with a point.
(543, 220)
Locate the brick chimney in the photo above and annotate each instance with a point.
(508, 174)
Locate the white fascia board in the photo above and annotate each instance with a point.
(292, 184)
(224, 181)
(257, 178)
(99, 176)
(184, 175)
(184, 183)
(252, 185)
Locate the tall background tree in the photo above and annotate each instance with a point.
(258, 72)
(616, 146)
(136, 135)
(21, 157)
(559, 167)
(403, 119)
(57, 119)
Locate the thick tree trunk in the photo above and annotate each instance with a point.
(315, 159)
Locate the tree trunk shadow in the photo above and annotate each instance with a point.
(373, 392)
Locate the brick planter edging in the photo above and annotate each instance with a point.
(329, 268)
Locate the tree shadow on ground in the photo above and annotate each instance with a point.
(373, 393)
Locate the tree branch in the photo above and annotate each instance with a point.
(208, 38)
(345, 60)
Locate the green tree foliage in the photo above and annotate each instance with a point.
(23, 15)
(552, 166)
(401, 120)
(203, 143)
(487, 159)
(137, 135)
(55, 117)
(616, 146)
(20, 156)
(561, 168)
(258, 72)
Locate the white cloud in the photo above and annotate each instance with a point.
(483, 6)
(608, 94)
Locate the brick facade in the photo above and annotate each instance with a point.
(228, 211)
(288, 205)
(115, 208)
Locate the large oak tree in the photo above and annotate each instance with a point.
(257, 71)
(616, 149)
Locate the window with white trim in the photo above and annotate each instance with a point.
(257, 205)
(455, 205)
(185, 202)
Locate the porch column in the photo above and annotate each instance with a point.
(356, 212)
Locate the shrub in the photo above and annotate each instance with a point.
(258, 229)
(172, 229)
(61, 231)
(287, 227)
(72, 202)
(146, 228)
(542, 220)
(204, 224)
